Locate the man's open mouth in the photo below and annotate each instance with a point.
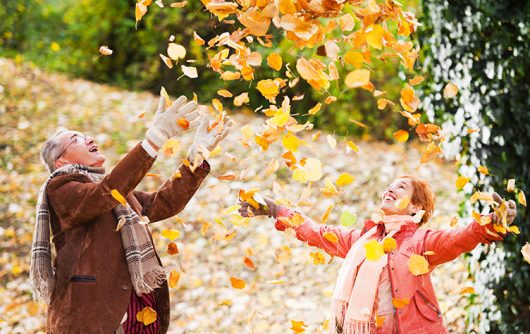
(93, 149)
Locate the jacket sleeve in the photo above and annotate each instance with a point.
(447, 245)
(313, 233)
(173, 196)
(77, 200)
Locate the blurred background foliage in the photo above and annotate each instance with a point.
(65, 36)
(483, 47)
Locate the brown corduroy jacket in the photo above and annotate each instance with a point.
(93, 285)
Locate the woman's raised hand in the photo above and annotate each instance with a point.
(511, 210)
(269, 209)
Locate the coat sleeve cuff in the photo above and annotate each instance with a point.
(149, 149)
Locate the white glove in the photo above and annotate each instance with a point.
(166, 123)
(205, 141)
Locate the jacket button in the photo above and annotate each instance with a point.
(392, 268)
(396, 290)
(124, 287)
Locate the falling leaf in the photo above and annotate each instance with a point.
(467, 289)
(248, 196)
(176, 51)
(357, 78)
(248, 262)
(400, 303)
(461, 181)
(481, 220)
(352, 146)
(525, 250)
(514, 229)
(167, 100)
(178, 4)
(450, 90)
(312, 71)
(389, 244)
(330, 99)
(482, 196)
(268, 88)
(104, 50)
(237, 283)
(354, 58)
(347, 218)
(379, 321)
(418, 265)
(382, 103)
(374, 250)
(292, 142)
(329, 189)
(298, 326)
(172, 248)
(483, 170)
(174, 277)
(344, 179)
(510, 186)
(318, 258)
(521, 198)
(272, 167)
(241, 99)
(198, 39)
(315, 109)
(170, 234)
(139, 11)
(324, 219)
(146, 316)
(183, 123)
(229, 75)
(416, 80)
(374, 36)
(402, 203)
(274, 61)
(189, 71)
(119, 197)
(275, 281)
(401, 136)
(120, 224)
(224, 93)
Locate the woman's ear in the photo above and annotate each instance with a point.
(413, 209)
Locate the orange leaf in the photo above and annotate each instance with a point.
(237, 283)
(119, 197)
(400, 303)
(183, 123)
(401, 136)
(174, 277)
(248, 262)
(172, 248)
(146, 316)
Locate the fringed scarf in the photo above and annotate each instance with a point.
(146, 273)
(352, 305)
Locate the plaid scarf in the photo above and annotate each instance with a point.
(146, 273)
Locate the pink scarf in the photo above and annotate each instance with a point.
(353, 300)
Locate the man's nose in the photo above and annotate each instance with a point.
(89, 140)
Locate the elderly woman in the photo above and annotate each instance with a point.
(379, 290)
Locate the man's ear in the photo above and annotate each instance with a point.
(59, 163)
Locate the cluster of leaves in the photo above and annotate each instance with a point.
(482, 46)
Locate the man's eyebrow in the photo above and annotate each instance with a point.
(75, 134)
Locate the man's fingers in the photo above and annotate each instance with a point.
(178, 103)
(203, 125)
(195, 123)
(161, 104)
(184, 110)
(497, 198)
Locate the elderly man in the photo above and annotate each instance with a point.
(106, 269)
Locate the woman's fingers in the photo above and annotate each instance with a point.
(497, 198)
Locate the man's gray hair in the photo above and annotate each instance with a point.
(50, 151)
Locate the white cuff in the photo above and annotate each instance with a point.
(149, 149)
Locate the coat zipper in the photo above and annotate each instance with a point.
(80, 278)
(392, 292)
(433, 307)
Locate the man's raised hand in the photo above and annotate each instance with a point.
(180, 116)
(206, 140)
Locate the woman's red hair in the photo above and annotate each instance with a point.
(423, 196)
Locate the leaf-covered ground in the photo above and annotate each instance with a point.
(285, 286)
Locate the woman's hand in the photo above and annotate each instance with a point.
(511, 210)
(269, 209)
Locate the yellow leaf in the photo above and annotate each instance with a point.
(481, 220)
(467, 289)
(330, 99)
(205, 227)
(170, 234)
(329, 189)
(344, 179)
(357, 78)
(198, 39)
(272, 167)
(241, 99)
(298, 326)
(510, 186)
(403, 203)
(354, 58)
(139, 12)
(374, 250)
(224, 93)
(315, 109)
(104, 50)
(292, 142)
(180, 4)
(401, 136)
(331, 141)
(311, 71)
(248, 196)
(229, 75)
(297, 219)
(274, 61)
(173, 278)
(120, 224)
(379, 321)
(269, 89)
(286, 6)
(176, 51)
(311, 171)
(382, 103)
(416, 80)
(450, 90)
(461, 181)
(525, 250)
(521, 198)
(418, 265)
(146, 316)
(514, 229)
(400, 303)
(482, 196)
(318, 258)
(324, 219)
(352, 146)
(119, 197)
(483, 170)
(389, 244)
(374, 36)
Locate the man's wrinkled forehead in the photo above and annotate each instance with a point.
(66, 136)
